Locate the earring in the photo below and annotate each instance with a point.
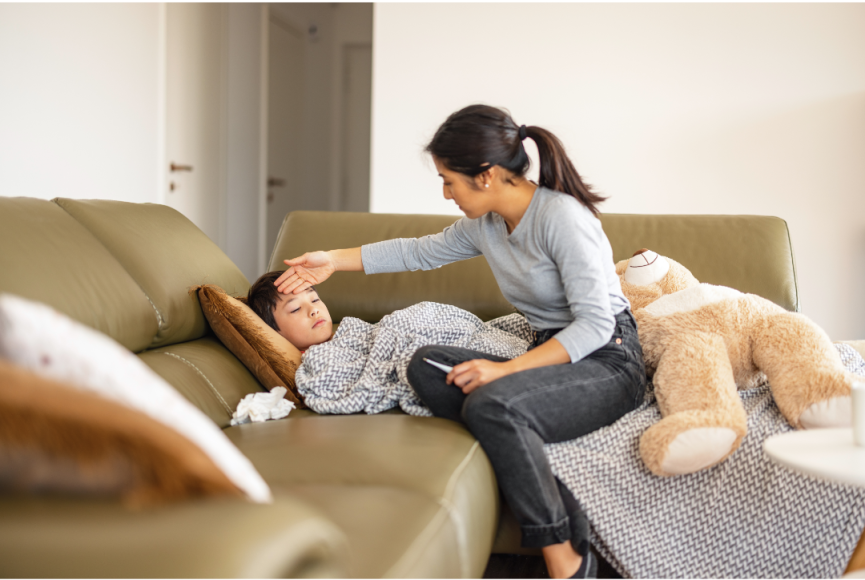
(486, 184)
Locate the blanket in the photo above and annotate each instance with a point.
(363, 367)
(747, 517)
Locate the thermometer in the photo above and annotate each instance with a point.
(439, 365)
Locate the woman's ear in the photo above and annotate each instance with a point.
(484, 179)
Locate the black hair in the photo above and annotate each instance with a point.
(478, 137)
(263, 298)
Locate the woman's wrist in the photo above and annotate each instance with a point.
(347, 260)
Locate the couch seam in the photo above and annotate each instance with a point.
(203, 376)
(159, 320)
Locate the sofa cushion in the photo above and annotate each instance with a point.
(51, 258)
(270, 357)
(206, 373)
(57, 438)
(436, 458)
(166, 254)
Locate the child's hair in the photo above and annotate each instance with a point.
(263, 298)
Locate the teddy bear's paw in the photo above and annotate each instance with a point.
(673, 447)
(697, 449)
(834, 412)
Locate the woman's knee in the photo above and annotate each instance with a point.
(483, 406)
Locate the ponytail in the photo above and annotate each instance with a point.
(558, 173)
(477, 137)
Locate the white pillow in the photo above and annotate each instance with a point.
(39, 338)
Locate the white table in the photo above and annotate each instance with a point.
(827, 453)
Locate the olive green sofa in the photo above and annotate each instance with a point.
(358, 496)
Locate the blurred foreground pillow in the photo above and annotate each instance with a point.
(55, 438)
(52, 345)
(272, 359)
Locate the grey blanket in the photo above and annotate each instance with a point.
(746, 517)
(363, 367)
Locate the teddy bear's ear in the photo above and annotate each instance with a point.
(646, 267)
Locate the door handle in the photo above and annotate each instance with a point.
(176, 167)
(275, 182)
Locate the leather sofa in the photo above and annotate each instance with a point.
(360, 496)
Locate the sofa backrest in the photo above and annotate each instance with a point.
(122, 268)
(750, 253)
(125, 269)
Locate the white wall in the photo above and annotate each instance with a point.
(667, 108)
(79, 101)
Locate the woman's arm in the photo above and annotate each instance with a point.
(472, 374)
(316, 267)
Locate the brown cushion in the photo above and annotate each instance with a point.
(272, 359)
(57, 438)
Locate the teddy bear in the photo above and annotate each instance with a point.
(702, 343)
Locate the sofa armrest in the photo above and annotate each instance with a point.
(66, 538)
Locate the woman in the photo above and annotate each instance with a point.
(553, 262)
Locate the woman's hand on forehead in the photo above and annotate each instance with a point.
(304, 271)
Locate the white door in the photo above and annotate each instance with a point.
(285, 137)
(357, 112)
(193, 137)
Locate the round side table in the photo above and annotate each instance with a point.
(826, 453)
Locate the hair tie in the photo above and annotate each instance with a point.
(522, 132)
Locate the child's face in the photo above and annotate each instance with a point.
(303, 319)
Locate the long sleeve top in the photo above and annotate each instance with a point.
(556, 266)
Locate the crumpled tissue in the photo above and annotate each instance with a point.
(259, 407)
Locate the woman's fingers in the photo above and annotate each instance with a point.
(462, 375)
(295, 261)
(292, 283)
(283, 277)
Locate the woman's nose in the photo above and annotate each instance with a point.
(447, 193)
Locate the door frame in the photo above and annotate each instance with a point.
(227, 221)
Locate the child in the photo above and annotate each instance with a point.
(302, 319)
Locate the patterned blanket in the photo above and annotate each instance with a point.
(363, 367)
(747, 517)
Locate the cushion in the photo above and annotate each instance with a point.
(270, 357)
(54, 346)
(57, 438)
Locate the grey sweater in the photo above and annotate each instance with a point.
(556, 266)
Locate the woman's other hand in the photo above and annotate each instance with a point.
(304, 271)
(472, 374)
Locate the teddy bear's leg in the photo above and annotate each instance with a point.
(808, 380)
(703, 418)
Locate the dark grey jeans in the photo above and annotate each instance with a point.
(513, 417)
